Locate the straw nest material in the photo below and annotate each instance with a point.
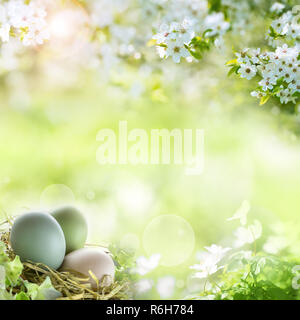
(71, 285)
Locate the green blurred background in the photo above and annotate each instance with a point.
(48, 156)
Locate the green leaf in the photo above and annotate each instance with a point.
(264, 99)
(195, 54)
(232, 70)
(22, 296)
(277, 293)
(13, 270)
(43, 292)
(205, 32)
(151, 43)
(32, 289)
(3, 256)
(5, 295)
(232, 62)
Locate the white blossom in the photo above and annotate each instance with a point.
(217, 23)
(278, 69)
(247, 71)
(277, 7)
(26, 21)
(181, 21)
(248, 235)
(174, 38)
(176, 50)
(209, 261)
(144, 265)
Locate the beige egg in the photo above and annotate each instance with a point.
(95, 260)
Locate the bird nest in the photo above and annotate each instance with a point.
(70, 284)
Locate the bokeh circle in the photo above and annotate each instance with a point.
(170, 236)
(56, 195)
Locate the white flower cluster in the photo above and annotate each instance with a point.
(285, 28)
(173, 40)
(279, 72)
(24, 20)
(277, 7)
(216, 23)
(117, 32)
(145, 265)
(103, 12)
(181, 22)
(209, 261)
(177, 11)
(239, 14)
(279, 69)
(216, 257)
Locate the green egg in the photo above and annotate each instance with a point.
(73, 225)
(37, 237)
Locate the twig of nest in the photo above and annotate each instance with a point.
(71, 285)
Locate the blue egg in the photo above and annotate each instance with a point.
(38, 237)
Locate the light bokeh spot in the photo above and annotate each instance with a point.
(130, 242)
(57, 195)
(172, 237)
(135, 198)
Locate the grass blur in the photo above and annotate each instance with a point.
(48, 137)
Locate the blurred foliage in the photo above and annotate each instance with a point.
(262, 277)
(48, 137)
